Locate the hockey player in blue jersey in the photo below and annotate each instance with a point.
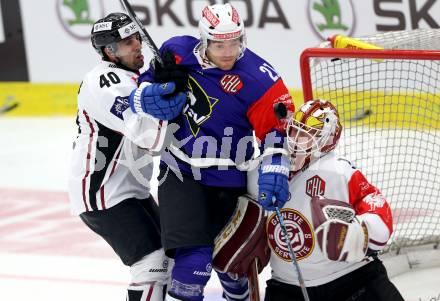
(231, 94)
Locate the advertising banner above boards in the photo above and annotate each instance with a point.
(57, 33)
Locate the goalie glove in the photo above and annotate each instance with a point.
(341, 234)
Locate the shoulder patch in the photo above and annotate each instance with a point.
(119, 106)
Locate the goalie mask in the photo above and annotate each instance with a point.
(313, 130)
(107, 32)
(221, 22)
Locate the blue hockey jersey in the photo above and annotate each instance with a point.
(214, 133)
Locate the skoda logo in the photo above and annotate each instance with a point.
(331, 17)
(78, 16)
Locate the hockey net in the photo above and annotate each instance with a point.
(389, 103)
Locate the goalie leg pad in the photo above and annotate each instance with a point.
(191, 272)
(148, 277)
(242, 239)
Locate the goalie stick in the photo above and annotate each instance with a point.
(292, 254)
(254, 288)
(145, 36)
(280, 111)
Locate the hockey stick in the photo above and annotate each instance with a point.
(361, 114)
(146, 37)
(8, 106)
(292, 255)
(280, 111)
(254, 288)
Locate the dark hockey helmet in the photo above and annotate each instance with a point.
(112, 29)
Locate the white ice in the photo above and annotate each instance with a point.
(47, 254)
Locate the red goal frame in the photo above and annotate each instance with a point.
(309, 53)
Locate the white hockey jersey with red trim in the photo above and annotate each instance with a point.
(333, 177)
(111, 159)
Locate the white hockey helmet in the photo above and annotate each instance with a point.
(314, 129)
(221, 22)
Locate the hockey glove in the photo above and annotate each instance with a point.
(170, 72)
(157, 100)
(341, 234)
(273, 183)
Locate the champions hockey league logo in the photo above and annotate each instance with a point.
(315, 186)
(231, 83)
(300, 234)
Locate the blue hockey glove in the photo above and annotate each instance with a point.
(157, 100)
(273, 183)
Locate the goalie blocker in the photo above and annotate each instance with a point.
(242, 240)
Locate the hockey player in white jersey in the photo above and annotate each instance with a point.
(336, 220)
(119, 127)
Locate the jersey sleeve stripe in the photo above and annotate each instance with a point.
(102, 195)
(89, 149)
(115, 163)
(377, 243)
(107, 153)
(261, 113)
(158, 135)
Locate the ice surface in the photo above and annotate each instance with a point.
(47, 254)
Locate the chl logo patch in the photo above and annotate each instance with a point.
(315, 186)
(231, 83)
(300, 233)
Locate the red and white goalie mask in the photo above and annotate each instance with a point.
(312, 131)
(221, 22)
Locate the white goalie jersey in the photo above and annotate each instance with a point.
(111, 159)
(332, 177)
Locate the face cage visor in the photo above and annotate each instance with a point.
(305, 140)
(205, 41)
(228, 47)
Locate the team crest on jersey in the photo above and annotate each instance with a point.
(231, 83)
(374, 200)
(199, 107)
(300, 233)
(315, 186)
(119, 106)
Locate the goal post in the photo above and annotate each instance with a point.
(389, 104)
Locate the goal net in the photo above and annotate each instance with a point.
(389, 103)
